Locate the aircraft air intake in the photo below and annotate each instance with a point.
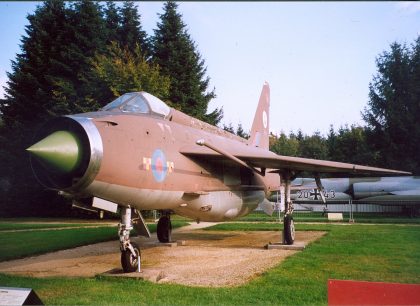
(67, 153)
(61, 150)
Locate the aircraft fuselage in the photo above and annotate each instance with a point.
(139, 164)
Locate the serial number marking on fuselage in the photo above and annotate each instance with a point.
(314, 194)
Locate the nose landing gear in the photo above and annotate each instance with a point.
(130, 252)
(130, 258)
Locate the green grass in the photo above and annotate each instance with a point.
(26, 243)
(21, 244)
(360, 252)
(9, 226)
(257, 216)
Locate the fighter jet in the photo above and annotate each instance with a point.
(138, 153)
(397, 190)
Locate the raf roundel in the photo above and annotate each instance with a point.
(159, 166)
(265, 119)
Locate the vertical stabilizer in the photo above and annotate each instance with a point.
(261, 124)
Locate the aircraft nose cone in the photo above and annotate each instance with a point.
(60, 150)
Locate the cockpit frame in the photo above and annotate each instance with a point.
(138, 103)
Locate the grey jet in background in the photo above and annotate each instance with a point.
(386, 191)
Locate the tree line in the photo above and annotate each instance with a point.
(347, 144)
(77, 56)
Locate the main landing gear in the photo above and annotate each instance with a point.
(164, 228)
(288, 230)
(288, 223)
(130, 252)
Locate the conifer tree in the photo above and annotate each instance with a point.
(393, 109)
(28, 104)
(240, 132)
(112, 22)
(176, 54)
(34, 71)
(350, 145)
(87, 38)
(130, 31)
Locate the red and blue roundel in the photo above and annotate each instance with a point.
(159, 166)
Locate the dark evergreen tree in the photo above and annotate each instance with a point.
(333, 150)
(393, 109)
(28, 104)
(176, 54)
(299, 136)
(87, 38)
(130, 31)
(350, 145)
(313, 147)
(240, 132)
(112, 22)
(33, 72)
(229, 128)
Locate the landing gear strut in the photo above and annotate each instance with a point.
(288, 223)
(164, 228)
(130, 252)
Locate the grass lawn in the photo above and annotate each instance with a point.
(361, 252)
(259, 216)
(22, 244)
(8, 226)
(26, 243)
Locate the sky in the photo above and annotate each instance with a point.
(318, 57)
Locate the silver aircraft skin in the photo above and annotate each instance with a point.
(397, 190)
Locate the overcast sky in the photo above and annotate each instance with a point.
(318, 57)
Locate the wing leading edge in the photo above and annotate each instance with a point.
(263, 159)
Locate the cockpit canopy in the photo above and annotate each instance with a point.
(139, 103)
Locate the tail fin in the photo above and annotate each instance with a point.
(260, 126)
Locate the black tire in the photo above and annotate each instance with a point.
(164, 229)
(129, 262)
(289, 230)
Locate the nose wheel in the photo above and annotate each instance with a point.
(130, 258)
(130, 252)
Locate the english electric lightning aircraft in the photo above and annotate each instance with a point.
(138, 153)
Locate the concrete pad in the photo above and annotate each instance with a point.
(297, 246)
(164, 244)
(152, 275)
